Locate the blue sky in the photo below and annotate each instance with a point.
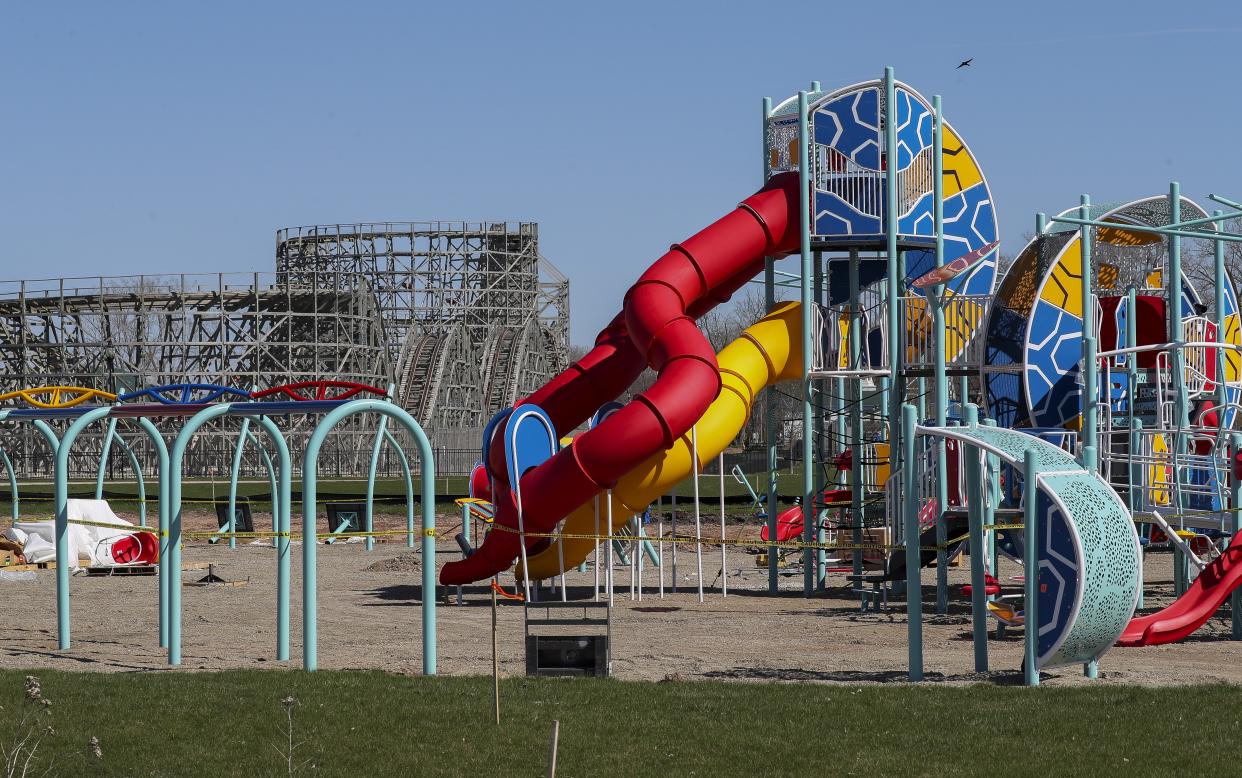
(158, 137)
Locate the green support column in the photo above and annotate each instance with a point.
(1134, 490)
(1218, 316)
(1090, 394)
(856, 440)
(369, 521)
(1030, 587)
(989, 508)
(100, 472)
(14, 497)
(1181, 407)
(910, 518)
(821, 534)
(234, 472)
(808, 464)
(942, 380)
(974, 504)
(769, 404)
(895, 386)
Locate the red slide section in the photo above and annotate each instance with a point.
(1192, 609)
(656, 328)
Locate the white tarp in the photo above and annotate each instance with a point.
(84, 542)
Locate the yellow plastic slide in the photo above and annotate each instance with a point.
(767, 352)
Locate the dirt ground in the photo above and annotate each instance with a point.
(370, 617)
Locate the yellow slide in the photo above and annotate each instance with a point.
(768, 352)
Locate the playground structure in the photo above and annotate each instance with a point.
(462, 318)
(1076, 414)
(938, 402)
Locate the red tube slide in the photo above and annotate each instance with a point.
(656, 328)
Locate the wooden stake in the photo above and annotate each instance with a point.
(556, 734)
(495, 660)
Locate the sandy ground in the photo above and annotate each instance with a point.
(370, 617)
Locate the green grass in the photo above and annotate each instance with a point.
(370, 723)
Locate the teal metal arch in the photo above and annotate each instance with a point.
(176, 462)
(53, 443)
(383, 435)
(244, 434)
(133, 461)
(14, 497)
(310, 466)
(61, 495)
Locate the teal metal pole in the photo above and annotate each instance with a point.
(375, 452)
(808, 464)
(974, 503)
(172, 558)
(769, 408)
(103, 458)
(989, 507)
(942, 381)
(1235, 504)
(138, 479)
(1181, 407)
(271, 485)
(1030, 586)
(14, 498)
(896, 387)
(1090, 393)
(282, 519)
(820, 513)
(1218, 311)
(310, 462)
(857, 444)
(234, 472)
(61, 495)
(910, 516)
(409, 485)
(1134, 490)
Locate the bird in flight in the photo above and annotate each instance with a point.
(965, 64)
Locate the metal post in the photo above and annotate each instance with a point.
(896, 388)
(234, 472)
(910, 517)
(942, 381)
(769, 408)
(1134, 493)
(989, 507)
(1218, 317)
(698, 526)
(1030, 520)
(1181, 407)
(103, 458)
(724, 562)
(1090, 393)
(369, 519)
(821, 537)
(808, 452)
(14, 506)
(856, 440)
(972, 461)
